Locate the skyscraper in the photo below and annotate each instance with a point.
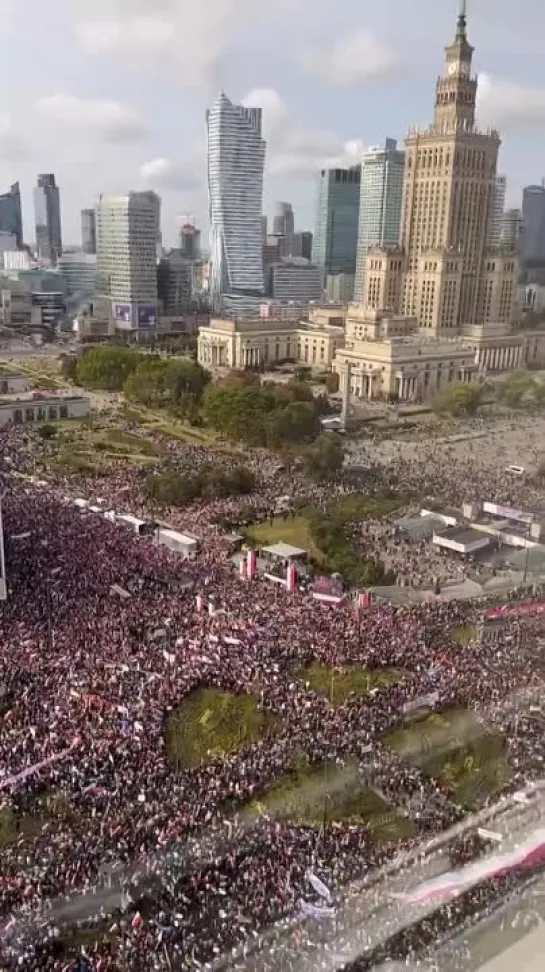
(89, 231)
(190, 241)
(336, 234)
(128, 230)
(302, 244)
(449, 283)
(11, 216)
(236, 160)
(47, 211)
(498, 209)
(284, 226)
(532, 244)
(381, 194)
(511, 229)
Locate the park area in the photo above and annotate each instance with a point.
(455, 748)
(91, 447)
(349, 682)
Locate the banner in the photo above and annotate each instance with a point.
(508, 513)
(515, 610)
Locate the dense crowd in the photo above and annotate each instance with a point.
(165, 862)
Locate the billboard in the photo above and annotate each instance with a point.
(507, 513)
(123, 313)
(147, 315)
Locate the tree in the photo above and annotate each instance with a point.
(325, 457)
(106, 368)
(185, 380)
(47, 431)
(239, 413)
(458, 398)
(240, 379)
(69, 367)
(146, 384)
(294, 423)
(517, 389)
(292, 391)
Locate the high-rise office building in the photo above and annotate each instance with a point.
(302, 245)
(450, 283)
(47, 212)
(236, 160)
(175, 283)
(532, 243)
(128, 231)
(89, 231)
(498, 209)
(264, 229)
(511, 229)
(11, 215)
(284, 226)
(190, 242)
(381, 194)
(336, 233)
(79, 270)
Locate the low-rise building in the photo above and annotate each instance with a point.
(13, 384)
(40, 406)
(386, 356)
(262, 342)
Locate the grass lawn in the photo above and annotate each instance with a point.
(167, 424)
(294, 530)
(337, 793)
(465, 635)
(456, 749)
(361, 507)
(354, 680)
(86, 447)
(211, 723)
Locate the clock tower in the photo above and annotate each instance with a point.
(456, 90)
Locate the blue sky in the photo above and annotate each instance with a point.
(111, 94)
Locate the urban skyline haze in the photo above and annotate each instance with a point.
(118, 101)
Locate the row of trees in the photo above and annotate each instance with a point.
(272, 415)
(238, 407)
(520, 389)
(173, 488)
(146, 379)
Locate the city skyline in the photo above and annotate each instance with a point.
(102, 126)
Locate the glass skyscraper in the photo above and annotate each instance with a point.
(532, 243)
(236, 160)
(47, 211)
(336, 233)
(381, 194)
(11, 216)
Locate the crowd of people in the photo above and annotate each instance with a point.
(104, 634)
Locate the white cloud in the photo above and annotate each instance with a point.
(187, 39)
(294, 149)
(162, 173)
(510, 105)
(107, 119)
(353, 58)
(12, 147)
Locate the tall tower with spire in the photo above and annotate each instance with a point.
(448, 205)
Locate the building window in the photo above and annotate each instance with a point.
(18, 415)
(63, 411)
(52, 412)
(29, 414)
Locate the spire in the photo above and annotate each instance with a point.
(461, 23)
